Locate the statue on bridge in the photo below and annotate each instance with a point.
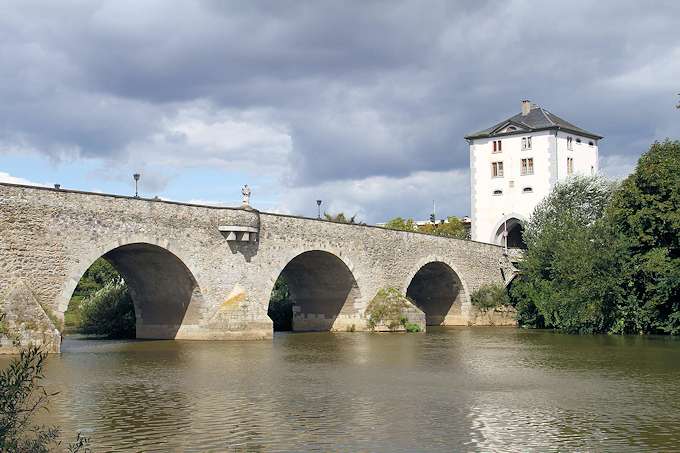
(245, 191)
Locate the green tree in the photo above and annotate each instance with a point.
(398, 223)
(281, 306)
(340, 217)
(96, 277)
(571, 270)
(645, 214)
(489, 297)
(452, 228)
(109, 312)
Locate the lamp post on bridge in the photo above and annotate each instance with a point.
(318, 207)
(136, 177)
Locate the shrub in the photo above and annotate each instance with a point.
(412, 327)
(21, 396)
(489, 297)
(109, 312)
(387, 307)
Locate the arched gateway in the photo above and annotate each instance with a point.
(203, 272)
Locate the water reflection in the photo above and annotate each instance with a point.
(447, 390)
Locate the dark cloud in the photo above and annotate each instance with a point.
(365, 89)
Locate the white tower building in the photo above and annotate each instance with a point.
(516, 163)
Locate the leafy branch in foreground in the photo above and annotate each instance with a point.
(22, 395)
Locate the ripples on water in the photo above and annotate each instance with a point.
(448, 390)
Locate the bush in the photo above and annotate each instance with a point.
(489, 297)
(109, 312)
(387, 307)
(570, 270)
(22, 396)
(412, 327)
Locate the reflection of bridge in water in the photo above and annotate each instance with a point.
(202, 272)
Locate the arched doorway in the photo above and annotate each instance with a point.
(514, 230)
(161, 288)
(320, 291)
(437, 290)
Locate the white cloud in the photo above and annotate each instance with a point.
(379, 198)
(6, 177)
(199, 135)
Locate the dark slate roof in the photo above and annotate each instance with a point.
(537, 119)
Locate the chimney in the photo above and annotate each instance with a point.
(526, 107)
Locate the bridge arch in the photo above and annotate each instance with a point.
(436, 288)
(324, 291)
(161, 285)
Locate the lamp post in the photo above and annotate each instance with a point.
(136, 176)
(318, 207)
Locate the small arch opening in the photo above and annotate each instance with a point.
(315, 291)
(437, 290)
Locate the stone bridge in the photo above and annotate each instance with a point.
(207, 273)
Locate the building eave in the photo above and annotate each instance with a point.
(539, 129)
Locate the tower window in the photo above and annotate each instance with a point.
(527, 190)
(497, 146)
(497, 169)
(526, 143)
(570, 165)
(570, 145)
(591, 143)
(578, 140)
(527, 166)
(498, 192)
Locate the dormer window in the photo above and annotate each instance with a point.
(527, 190)
(526, 143)
(498, 192)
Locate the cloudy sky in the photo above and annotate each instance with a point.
(361, 104)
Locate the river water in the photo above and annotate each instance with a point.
(452, 389)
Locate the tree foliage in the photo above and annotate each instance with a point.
(489, 297)
(452, 228)
(401, 224)
(645, 214)
(96, 277)
(602, 258)
(109, 312)
(340, 217)
(567, 275)
(281, 306)
(22, 395)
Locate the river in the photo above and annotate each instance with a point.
(452, 389)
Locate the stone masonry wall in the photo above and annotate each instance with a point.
(49, 237)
